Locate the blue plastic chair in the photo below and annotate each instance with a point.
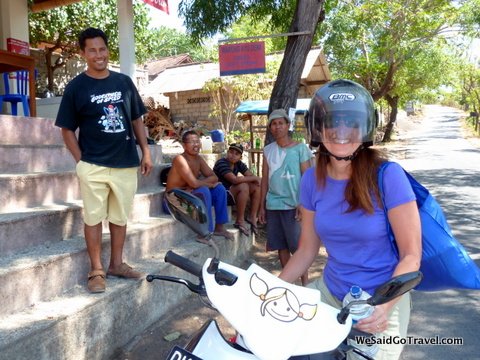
(20, 96)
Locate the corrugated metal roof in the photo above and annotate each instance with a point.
(183, 78)
(157, 66)
(194, 76)
(260, 107)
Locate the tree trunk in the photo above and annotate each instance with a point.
(48, 63)
(308, 14)
(67, 53)
(393, 103)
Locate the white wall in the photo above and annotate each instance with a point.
(13, 21)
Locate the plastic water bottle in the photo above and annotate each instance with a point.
(358, 312)
(361, 311)
(257, 143)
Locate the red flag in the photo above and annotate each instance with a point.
(158, 4)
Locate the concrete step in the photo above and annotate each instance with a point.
(46, 311)
(78, 325)
(47, 271)
(34, 189)
(34, 226)
(52, 223)
(18, 159)
(19, 191)
(21, 130)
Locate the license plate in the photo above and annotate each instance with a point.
(177, 353)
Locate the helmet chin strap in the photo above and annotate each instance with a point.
(346, 158)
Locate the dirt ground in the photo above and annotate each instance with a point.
(176, 329)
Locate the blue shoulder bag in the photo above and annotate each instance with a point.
(445, 263)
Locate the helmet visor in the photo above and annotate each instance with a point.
(345, 126)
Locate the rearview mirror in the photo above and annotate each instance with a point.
(395, 287)
(189, 210)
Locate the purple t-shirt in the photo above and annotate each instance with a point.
(357, 243)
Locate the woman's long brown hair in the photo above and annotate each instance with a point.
(363, 183)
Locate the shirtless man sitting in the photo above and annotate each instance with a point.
(190, 172)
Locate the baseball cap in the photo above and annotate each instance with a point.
(277, 114)
(237, 147)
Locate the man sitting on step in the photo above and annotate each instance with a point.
(106, 108)
(191, 172)
(242, 187)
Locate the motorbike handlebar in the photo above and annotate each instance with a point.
(222, 277)
(184, 263)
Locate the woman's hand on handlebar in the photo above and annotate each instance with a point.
(375, 323)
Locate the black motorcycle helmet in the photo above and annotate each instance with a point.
(341, 111)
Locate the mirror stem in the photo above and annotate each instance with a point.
(215, 247)
(343, 314)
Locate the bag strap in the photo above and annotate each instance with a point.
(381, 170)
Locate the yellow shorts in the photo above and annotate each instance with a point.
(107, 192)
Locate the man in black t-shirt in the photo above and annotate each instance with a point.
(107, 110)
(242, 188)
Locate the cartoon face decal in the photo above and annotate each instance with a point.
(280, 303)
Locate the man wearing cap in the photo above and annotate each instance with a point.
(284, 162)
(242, 188)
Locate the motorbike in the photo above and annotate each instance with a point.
(274, 320)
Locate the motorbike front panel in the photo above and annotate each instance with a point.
(209, 344)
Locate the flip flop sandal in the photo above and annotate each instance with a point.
(202, 240)
(253, 228)
(125, 271)
(242, 229)
(225, 234)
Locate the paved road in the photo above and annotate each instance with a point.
(438, 156)
(449, 166)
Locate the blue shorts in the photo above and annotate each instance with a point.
(283, 231)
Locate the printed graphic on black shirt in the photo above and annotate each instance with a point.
(112, 120)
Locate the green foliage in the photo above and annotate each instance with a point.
(400, 50)
(247, 27)
(470, 86)
(422, 75)
(59, 29)
(469, 16)
(205, 18)
(170, 42)
(228, 91)
(237, 136)
(62, 25)
(369, 41)
(298, 136)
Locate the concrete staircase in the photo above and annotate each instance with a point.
(46, 311)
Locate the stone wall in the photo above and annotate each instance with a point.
(193, 107)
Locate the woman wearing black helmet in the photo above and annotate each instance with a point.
(341, 206)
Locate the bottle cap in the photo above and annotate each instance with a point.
(356, 291)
